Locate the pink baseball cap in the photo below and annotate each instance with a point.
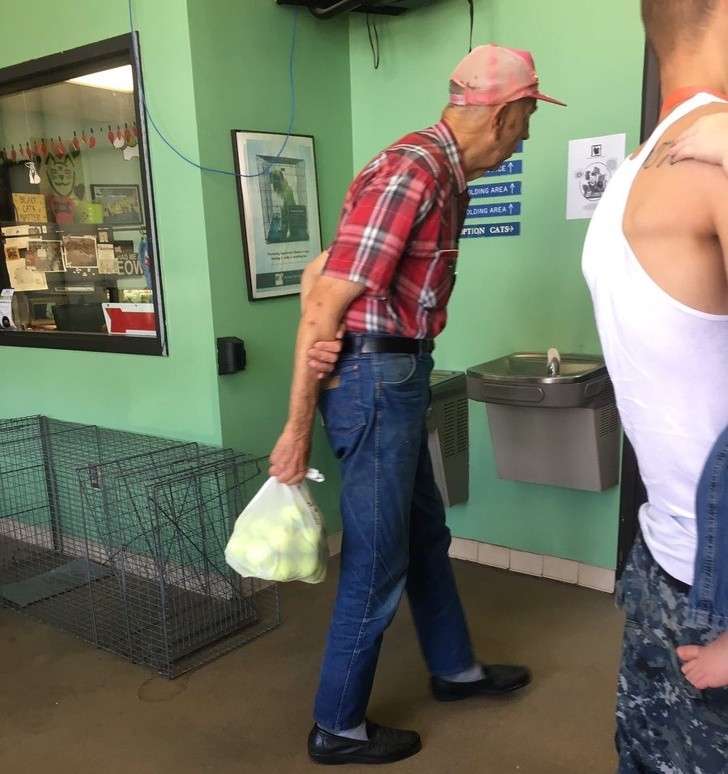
(492, 75)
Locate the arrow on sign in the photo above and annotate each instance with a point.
(125, 321)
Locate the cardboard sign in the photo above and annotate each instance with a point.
(30, 208)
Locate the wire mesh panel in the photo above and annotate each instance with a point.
(118, 538)
(44, 568)
(172, 602)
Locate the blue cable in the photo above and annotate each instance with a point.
(137, 62)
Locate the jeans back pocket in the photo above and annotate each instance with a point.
(341, 406)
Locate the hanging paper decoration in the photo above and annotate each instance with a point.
(91, 139)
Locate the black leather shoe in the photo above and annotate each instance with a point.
(499, 679)
(385, 745)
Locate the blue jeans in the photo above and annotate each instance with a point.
(394, 531)
(708, 599)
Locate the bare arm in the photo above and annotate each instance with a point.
(311, 274)
(323, 355)
(324, 306)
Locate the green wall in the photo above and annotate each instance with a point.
(240, 55)
(174, 396)
(527, 292)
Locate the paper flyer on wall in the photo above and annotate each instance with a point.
(592, 162)
(23, 276)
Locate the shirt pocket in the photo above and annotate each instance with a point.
(439, 278)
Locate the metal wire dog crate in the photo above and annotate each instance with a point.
(118, 538)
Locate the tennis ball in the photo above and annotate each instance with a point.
(279, 539)
(291, 514)
(236, 545)
(285, 570)
(309, 536)
(257, 552)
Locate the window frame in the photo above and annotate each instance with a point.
(54, 68)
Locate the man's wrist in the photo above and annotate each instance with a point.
(298, 429)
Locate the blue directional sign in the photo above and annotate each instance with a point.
(508, 167)
(495, 189)
(491, 230)
(505, 209)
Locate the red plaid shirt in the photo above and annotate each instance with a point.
(398, 235)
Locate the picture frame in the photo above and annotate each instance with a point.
(121, 202)
(279, 212)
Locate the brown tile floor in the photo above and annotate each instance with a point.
(66, 708)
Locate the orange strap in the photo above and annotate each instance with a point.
(679, 96)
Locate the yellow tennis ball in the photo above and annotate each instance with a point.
(257, 552)
(279, 539)
(285, 570)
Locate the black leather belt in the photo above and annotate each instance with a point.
(365, 344)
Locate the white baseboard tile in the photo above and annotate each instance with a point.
(551, 567)
(540, 565)
(460, 548)
(335, 543)
(596, 578)
(494, 556)
(560, 569)
(526, 563)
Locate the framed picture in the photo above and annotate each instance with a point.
(121, 203)
(279, 214)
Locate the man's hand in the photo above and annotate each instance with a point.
(323, 355)
(289, 458)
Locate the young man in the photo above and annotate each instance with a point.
(655, 262)
(388, 276)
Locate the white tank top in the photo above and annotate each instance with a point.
(669, 366)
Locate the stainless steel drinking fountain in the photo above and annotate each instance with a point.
(553, 419)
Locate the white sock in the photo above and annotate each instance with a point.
(469, 675)
(358, 732)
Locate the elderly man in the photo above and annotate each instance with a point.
(387, 276)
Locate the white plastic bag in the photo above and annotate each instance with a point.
(280, 535)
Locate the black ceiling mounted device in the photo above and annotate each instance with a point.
(328, 9)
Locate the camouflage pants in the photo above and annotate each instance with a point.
(664, 724)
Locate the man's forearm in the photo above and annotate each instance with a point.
(323, 309)
(305, 382)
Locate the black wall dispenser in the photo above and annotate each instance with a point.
(231, 356)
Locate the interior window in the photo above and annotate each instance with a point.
(78, 259)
